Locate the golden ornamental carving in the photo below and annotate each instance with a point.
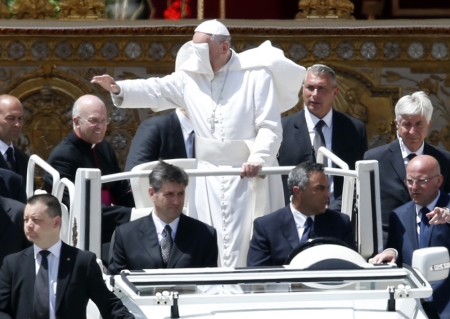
(33, 9)
(329, 9)
(84, 9)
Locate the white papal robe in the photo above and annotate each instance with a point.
(246, 128)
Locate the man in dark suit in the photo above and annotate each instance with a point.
(11, 122)
(85, 147)
(343, 135)
(12, 236)
(166, 238)
(65, 278)
(422, 222)
(161, 137)
(12, 185)
(413, 119)
(277, 234)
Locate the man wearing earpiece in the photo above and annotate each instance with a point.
(413, 119)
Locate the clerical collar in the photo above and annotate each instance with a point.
(430, 206)
(75, 139)
(311, 119)
(406, 151)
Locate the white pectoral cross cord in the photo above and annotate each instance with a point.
(213, 120)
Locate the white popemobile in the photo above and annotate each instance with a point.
(322, 278)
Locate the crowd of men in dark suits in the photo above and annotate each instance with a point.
(168, 238)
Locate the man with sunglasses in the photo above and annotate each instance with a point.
(422, 222)
(85, 147)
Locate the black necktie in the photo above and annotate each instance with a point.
(411, 156)
(166, 244)
(41, 303)
(306, 230)
(10, 161)
(319, 139)
(424, 222)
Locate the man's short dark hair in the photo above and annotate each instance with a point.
(299, 176)
(164, 172)
(53, 204)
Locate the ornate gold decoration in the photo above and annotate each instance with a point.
(82, 9)
(33, 9)
(330, 9)
(5, 13)
(74, 232)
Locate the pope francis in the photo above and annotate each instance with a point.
(234, 102)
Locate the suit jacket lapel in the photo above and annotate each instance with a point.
(66, 261)
(321, 225)
(288, 227)
(5, 217)
(3, 162)
(29, 277)
(410, 216)
(149, 238)
(396, 160)
(301, 133)
(176, 129)
(182, 240)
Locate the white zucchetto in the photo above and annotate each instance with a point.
(212, 27)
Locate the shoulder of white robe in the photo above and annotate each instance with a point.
(287, 75)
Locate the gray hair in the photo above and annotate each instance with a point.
(299, 176)
(416, 103)
(164, 172)
(219, 38)
(76, 109)
(53, 204)
(322, 69)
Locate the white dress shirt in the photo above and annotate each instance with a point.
(405, 151)
(300, 220)
(159, 224)
(53, 265)
(4, 147)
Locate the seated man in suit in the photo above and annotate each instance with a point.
(12, 236)
(86, 147)
(318, 124)
(11, 122)
(413, 119)
(422, 222)
(163, 137)
(166, 238)
(52, 279)
(277, 234)
(12, 185)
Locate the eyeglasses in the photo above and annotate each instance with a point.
(95, 121)
(420, 181)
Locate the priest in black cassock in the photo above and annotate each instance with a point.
(85, 147)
